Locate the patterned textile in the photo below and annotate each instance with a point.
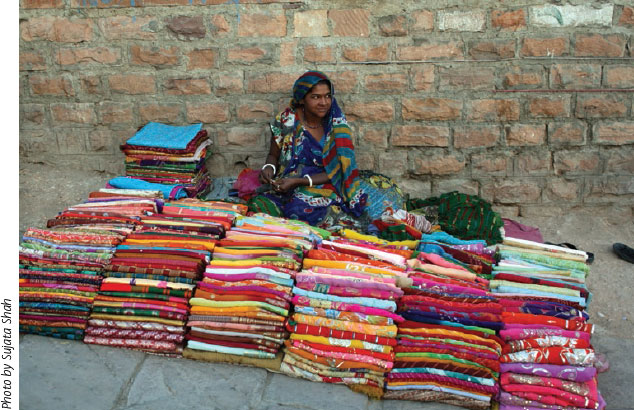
(383, 193)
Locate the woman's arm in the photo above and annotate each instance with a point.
(288, 184)
(267, 174)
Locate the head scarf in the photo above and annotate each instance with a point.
(338, 151)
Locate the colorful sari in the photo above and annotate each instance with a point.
(334, 205)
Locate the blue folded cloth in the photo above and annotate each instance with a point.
(169, 191)
(158, 135)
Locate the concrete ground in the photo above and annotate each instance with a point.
(59, 374)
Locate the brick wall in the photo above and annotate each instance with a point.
(528, 104)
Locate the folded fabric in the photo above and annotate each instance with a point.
(169, 191)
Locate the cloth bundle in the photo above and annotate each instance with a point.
(59, 275)
(447, 349)
(241, 304)
(166, 154)
(343, 329)
(548, 361)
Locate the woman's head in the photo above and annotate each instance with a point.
(310, 83)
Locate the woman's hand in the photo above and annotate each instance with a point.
(286, 184)
(266, 175)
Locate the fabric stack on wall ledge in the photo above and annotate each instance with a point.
(548, 360)
(447, 348)
(169, 155)
(143, 301)
(240, 306)
(343, 329)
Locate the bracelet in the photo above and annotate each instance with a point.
(269, 165)
(310, 180)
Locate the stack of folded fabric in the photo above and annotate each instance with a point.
(548, 361)
(60, 273)
(239, 308)
(143, 301)
(447, 348)
(343, 329)
(170, 155)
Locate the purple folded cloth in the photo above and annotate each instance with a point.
(514, 229)
(573, 373)
(511, 402)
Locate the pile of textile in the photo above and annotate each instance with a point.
(343, 329)
(60, 273)
(447, 348)
(548, 360)
(169, 155)
(240, 306)
(143, 300)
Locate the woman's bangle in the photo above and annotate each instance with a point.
(310, 180)
(269, 165)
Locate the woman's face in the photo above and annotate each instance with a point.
(318, 100)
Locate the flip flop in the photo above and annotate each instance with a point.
(624, 252)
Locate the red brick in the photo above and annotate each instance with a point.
(476, 136)
(512, 191)
(621, 76)
(373, 111)
(601, 106)
(37, 143)
(423, 20)
(132, 84)
(388, 82)
(562, 190)
(428, 51)
(493, 110)
(287, 53)
(311, 23)
(207, 112)
(366, 53)
(229, 84)
(423, 77)
(313, 54)
(88, 56)
(154, 56)
(431, 109)
(220, 25)
(247, 54)
(71, 141)
(613, 133)
(465, 186)
(91, 84)
(619, 160)
(32, 115)
(41, 4)
(572, 76)
(393, 26)
(491, 49)
(525, 134)
(115, 112)
(365, 160)
(534, 163)
(32, 61)
(567, 133)
(415, 188)
(609, 189)
(597, 45)
(350, 23)
(187, 86)
(79, 113)
(519, 77)
(372, 137)
(262, 25)
(508, 19)
(201, 59)
(576, 162)
(241, 137)
(420, 136)
(627, 16)
(61, 30)
(270, 83)
(168, 113)
(511, 212)
(438, 165)
(187, 27)
(129, 28)
(393, 163)
(101, 142)
(43, 85)
(255, 110)
(343, 81)
(466, 78)
(545, 47)
(490, 164)
(547, 107)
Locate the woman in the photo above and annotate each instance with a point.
(311, 168)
